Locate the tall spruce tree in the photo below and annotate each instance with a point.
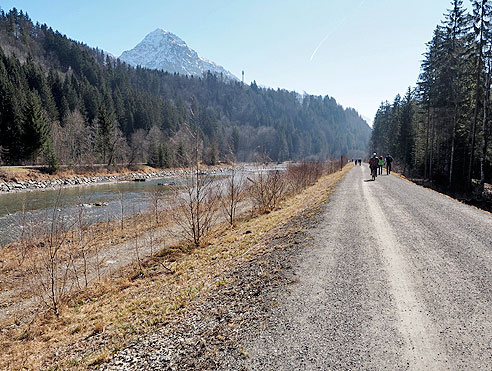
(482, 12)
(106, 131)
(456, 26)
(35, 133)
(405, 138)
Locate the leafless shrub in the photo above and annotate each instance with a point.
(136, 245)
(232, 194)
(303, 174)
(155, 197)
(50, 276)
(197, 198)
(151, 233)
(196, 207)
(82, 240)
(23, 231)
(331, 167)
(267, 189)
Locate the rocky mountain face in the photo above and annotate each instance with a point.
(162, 50)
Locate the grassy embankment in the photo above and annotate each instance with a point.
(109, 314)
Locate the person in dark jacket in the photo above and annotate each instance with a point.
(389, 161)
(374, 163)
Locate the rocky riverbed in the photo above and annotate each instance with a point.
(46, 184)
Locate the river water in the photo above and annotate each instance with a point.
(25, 211)
(17, 210)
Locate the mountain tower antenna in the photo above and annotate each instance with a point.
(243, 77)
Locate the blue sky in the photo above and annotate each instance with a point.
(367, 51)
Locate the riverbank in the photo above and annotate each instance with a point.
(26, 179)
(152, 292)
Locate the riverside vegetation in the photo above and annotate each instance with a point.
(75, 312)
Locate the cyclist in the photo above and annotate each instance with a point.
(373, 165)
(389, 161)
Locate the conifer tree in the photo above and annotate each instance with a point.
(456, 25)
(405, 137)
(106, 131)
(482, 11)
(35, 133)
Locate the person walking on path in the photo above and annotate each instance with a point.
(389, 161)
(373, 165)
(380, 165)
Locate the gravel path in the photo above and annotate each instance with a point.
(389, 275)
(397, 277)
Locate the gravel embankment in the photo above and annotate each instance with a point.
(47, 184)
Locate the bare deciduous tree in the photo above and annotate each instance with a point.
(73, 142)
(138, 147)
(233, 194)
(50, 274)
(267, 189)
(196, 199)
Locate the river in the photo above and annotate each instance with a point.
(32, 208)
(36, 206)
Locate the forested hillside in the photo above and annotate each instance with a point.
(441, 130)
(63, 102)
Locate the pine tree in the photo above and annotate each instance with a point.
(35, 133)
(456, 27)
(482, 11)
(405, 137)
(106, 131)
(10, 119)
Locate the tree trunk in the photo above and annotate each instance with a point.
(453, 139)
(431, 156)
(473, 133)
(426, 154)
(477, 99)
(484, 131)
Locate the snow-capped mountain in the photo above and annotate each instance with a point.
(162, 50)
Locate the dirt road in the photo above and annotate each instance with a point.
(387, 275)
(397, 277)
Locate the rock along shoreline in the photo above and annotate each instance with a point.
(75, 181)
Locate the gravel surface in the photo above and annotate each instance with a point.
(388, 275)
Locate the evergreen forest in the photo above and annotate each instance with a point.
(62, 102)
(440, 131)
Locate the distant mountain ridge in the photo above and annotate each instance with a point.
(64, 102)
(163, 50)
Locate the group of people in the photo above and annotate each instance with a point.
(376, 164)
(357, 161)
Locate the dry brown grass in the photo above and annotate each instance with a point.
(121, 309)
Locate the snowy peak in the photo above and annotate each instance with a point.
(160, 36)
(163, 50)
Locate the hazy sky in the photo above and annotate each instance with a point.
(360, 52)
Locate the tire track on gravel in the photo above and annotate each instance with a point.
(422, 344)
